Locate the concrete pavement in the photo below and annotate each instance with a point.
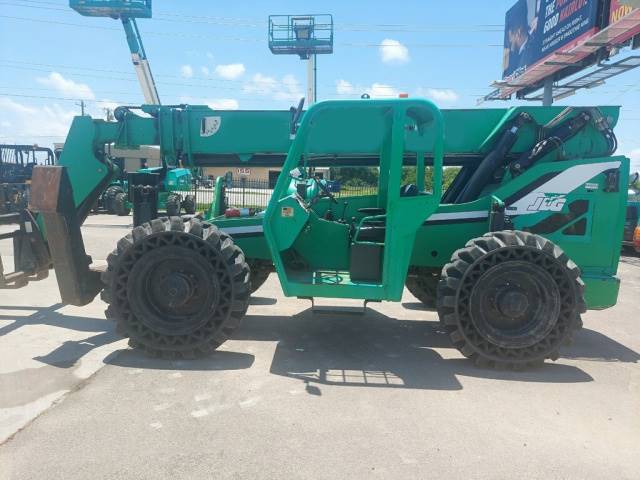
(46, 349)
(296, 395)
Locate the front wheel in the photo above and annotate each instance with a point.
(176, 289)
(510, 299)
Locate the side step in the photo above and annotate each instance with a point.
(322, 306)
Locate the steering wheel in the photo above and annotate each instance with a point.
(325, 190)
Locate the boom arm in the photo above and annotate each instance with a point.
(140, 62)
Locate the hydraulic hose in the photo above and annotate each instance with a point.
(557, 135)
(495, 159)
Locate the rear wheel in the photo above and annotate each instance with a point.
(189, 204)
(110, 198)
(120, 205)
(422, 282)
(173, 205)
(510, 299)
(176, 289)
(260, 270)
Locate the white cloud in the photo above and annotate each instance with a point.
(223, 103)
(205, 71)
(344, 87)
(215, 103)
(286, 89)
(66, 87)
(186, 71)
(381, 90)
(392, 51)
(230, 71)
(376, 90)
(261, 84)
(29, 123)
(443, 95)
(290, 90)
(43, 123)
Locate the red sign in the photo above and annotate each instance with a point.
(618, 11)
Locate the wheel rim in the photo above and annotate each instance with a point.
(174, 291)
(514, 304)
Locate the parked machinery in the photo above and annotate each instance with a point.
(518, 247)
(631, 236)
(16, 167)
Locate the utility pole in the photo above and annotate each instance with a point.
(547, 99)
(108, 114)
(81, 105)
(311, 80)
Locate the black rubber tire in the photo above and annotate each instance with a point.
(110, 197)
(189, 204)
(260, 271)
(120, 205)
(467, 277)
(138, 300)
(422, 283)
(173, 205)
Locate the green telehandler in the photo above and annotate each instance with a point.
(523, 241)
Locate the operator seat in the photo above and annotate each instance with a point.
(375, 230)
(409, 190)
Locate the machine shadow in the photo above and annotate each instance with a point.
(596, 347)
(21, 387)
(219, 360)
(419, 306)
(262, 301)
(375, 351)
(68, 353)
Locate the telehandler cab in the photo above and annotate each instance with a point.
(524, 240)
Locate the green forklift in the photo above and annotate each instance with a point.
(522, 243)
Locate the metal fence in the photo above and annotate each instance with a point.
(245, 193)
(357, 191)
(204, 196)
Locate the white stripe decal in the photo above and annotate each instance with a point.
(249, 229)
(561, 184)
(436, 217)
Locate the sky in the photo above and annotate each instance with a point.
(216, 53)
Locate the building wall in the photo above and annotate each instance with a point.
(262, 174)
(133, 157)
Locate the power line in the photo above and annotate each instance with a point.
(261, 23)
(250, 40)
(48, 97)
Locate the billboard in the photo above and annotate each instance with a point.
(619, 9)
(535, 29)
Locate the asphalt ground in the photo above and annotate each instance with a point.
(298, 395)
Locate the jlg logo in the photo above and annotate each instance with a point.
(548, 203)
